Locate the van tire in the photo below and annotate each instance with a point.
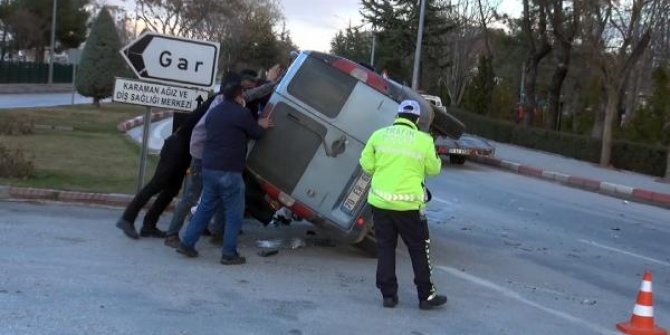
(457, 159)
(445, 124)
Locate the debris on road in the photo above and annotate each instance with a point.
(267, 252)
(589, 302)
(293, 243)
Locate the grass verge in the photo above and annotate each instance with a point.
(93, 157)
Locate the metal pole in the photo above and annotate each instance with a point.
(145, 145)
(52, 48)
(419, 41)
(522, 89)
(74, 78)
(374, 44)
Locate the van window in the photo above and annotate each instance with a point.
(322, 87)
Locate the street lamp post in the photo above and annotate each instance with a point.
(52, 48)
(417, 53)
(374, 45)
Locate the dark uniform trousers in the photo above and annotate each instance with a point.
(414, 233)
(166, 182)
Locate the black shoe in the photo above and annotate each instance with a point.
(433, 302)
(390, 302)
(152, 232)
(128, 228)
(206, 232)
(233, 260)
(187, 251)
(172, 241)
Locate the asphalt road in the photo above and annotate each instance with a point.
(42, 100)
(515, 255)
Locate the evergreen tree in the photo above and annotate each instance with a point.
(479, 93)
(397, 23)
(100, 60)
(651, 122)
(352, 43)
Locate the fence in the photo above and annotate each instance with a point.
(33, 73)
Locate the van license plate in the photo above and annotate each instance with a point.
(357, 193)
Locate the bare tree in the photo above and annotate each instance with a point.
(564, 32)
(619, 33)
(463, 44)
(534, 26)
(241, 26)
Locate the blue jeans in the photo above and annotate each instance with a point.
(189, 198)
(220, 188)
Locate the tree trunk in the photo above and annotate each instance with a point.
(3, 45)
(531, 78)
(613, 97)
(96, 102)
(667, 167)
(556, 85)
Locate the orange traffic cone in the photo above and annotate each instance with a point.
(642, 321)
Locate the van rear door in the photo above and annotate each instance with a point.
(324, 117)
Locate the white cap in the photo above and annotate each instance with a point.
(409, 107)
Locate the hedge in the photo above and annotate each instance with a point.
(638, 157)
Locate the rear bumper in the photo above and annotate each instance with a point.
(356, 232)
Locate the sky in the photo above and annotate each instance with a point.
(314, 23)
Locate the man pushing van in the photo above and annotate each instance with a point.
(399, 158)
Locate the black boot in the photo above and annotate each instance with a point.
(390, 302)
(128, 228)
(433, 302)
(152, 232)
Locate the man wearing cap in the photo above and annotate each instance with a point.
(399, 158)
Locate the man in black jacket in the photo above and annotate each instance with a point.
(166, 182)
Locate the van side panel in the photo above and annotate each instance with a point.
(286, 150)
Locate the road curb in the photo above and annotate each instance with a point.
(29, 193)
(139, 120)
(86, 198)
(611, 189)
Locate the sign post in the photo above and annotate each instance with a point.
(145, 149)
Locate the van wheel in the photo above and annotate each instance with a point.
(369, 246)
(457, 159)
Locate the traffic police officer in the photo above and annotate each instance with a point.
(399, 158)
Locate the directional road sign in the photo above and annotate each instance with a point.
(173, 60)
(135, 92)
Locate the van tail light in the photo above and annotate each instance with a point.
(372, 79)
(360, 221)
(287, 201)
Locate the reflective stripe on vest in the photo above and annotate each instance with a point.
(394, 150)
(397, 196)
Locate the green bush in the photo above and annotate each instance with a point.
(14, 164)
(16, 125)
(638, 157)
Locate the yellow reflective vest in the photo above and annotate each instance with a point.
(399, 158)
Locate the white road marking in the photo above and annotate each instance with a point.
(649, 259)
(516, 296)
(441, 201)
